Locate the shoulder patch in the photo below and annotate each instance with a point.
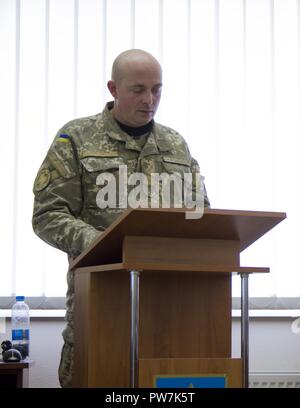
(42, 180)
(63, 137)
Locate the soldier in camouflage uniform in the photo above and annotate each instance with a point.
(65, 214)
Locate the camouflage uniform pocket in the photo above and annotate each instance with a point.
(100, 164)
(176, 165)
(169, 192)
(92, 168)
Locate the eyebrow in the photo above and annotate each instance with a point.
(143, 86)
(137, 86)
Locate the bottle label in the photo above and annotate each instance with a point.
(19, 334)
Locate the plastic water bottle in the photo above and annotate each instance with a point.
(20, 322)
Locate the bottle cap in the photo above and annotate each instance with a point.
(20, 298)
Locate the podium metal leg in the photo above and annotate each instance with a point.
(134, 329)
(245, 328)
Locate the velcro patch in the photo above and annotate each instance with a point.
(98, 153)
(63, 137)
(176, 160)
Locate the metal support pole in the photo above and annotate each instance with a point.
(245, 328)
(134, 329)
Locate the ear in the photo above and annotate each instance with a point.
(111, 85)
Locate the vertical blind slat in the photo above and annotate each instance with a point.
(16, 141)
(7, 169)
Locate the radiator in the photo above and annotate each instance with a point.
(274, 380)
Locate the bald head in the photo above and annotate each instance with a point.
(135, 84)
(131, 60)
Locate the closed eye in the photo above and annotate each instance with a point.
(137, 89)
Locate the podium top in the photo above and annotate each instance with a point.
(243, 226)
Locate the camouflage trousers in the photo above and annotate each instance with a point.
(65, 370)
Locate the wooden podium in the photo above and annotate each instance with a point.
(153, 297)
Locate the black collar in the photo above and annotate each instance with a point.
(136, 131)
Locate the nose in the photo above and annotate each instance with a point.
(148, 97)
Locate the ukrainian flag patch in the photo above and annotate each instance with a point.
(63, 137)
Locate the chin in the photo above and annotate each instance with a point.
(139, 123)
(145, 123)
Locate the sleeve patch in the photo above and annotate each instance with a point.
(63, 137)
(42, 180)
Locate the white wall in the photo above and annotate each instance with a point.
(274, 348)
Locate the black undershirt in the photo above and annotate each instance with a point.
(136, 131)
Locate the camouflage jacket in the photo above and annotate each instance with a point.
(66, 214)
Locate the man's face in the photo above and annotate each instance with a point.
(137, 94)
